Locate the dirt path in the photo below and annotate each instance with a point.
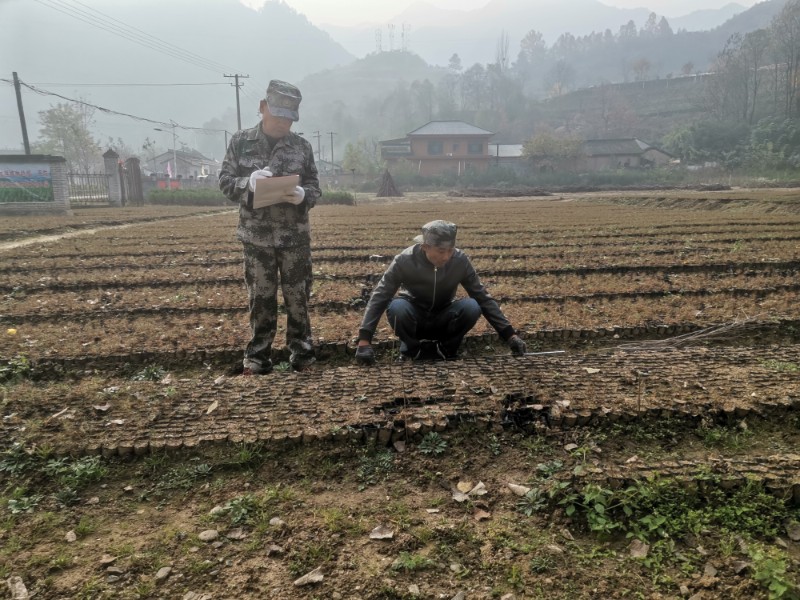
(45, 239)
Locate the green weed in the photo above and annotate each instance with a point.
(24, 504)
(247, 455)
(494, 445)
(242, 509)
(374, 467)
(725, 437)
(411, 562)
(182, 477)
(780, 366)
(15, 370)
(769, 569)
(516, 577)
(16, 460)
(433, 443)
(85, 526)
(308, 558)
(150, 373)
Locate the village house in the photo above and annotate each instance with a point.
(595, 155)
(440, 147)
(599, 155)
(191, 164)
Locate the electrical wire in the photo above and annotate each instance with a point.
(111, 25)
(112, 112)
(55, 84)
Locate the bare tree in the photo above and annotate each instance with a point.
(560, 77)
(66, 131)
(501, 58)
(473, 87)
(786, 35)
(733, 92)
(641, 68)
(532, 51)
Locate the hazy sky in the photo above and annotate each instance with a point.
(354, 12)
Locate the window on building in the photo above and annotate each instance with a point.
(435, 148)
(455, 147)
(475, 148)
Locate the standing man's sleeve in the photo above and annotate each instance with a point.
(379, 300)
(310, 179)
(234, 187)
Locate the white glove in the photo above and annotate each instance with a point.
(255, 175)
(298, 195)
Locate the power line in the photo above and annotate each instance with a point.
(50, 83)
(111, 25)
(109, 111)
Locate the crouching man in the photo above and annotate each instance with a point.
(426, 317)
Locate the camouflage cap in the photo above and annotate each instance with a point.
(283, 100)
(438, 233)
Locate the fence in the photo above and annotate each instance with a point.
(88, 189)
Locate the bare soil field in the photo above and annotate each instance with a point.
(648, 447)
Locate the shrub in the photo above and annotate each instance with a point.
(336, 197)
(196, 197)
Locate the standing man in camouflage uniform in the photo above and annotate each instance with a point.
(276, 238)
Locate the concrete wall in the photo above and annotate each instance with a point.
(33, 184)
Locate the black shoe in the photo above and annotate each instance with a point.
(264, 369)
(429, 350)
(303, 363)
(450, 351)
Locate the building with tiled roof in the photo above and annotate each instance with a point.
(440, 147)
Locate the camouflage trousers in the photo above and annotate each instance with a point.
(262, 268)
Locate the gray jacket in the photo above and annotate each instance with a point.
(280, 225)
(430, 289)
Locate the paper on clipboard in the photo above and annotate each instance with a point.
(274, 190)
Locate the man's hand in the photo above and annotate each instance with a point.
(256, 175)
(365, 355)
(517, 345)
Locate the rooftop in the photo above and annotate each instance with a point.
(450, 128)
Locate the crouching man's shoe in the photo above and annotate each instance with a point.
(302, 363)
(252, 368)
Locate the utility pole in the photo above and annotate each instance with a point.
(174, 144)
(237, 85)
(174, 150)
(21, 115)
(333, 165)
(318, 135)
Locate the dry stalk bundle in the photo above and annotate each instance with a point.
(716, 333)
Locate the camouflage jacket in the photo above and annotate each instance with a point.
(280, 225)
(430, 289)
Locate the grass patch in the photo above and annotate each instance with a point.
(373, 467)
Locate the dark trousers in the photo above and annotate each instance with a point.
(264, 269)
(447, 327)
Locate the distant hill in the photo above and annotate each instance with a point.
(702, 20)
(436, 34)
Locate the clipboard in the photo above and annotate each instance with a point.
(275, 190)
